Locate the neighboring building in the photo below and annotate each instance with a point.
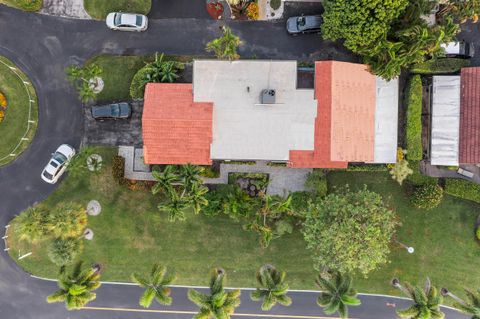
(253, 110)
(455, 104)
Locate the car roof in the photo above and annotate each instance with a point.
(129, 18)
(102, 110)
(65, 149)
(313, 21)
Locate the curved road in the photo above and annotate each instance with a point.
(43, 46)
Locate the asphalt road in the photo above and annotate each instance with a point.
(43, 46)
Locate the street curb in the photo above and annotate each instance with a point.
(119, 283)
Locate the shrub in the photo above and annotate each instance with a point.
(417, 178)
(400, 171)
(209, 172)
(414, 119)
(63, 251)
(300, 201)
(477, 233)
(137, 88)
(427, 196)
(317, 182)
(67, 220)
(118, 169)
(366, 168)
(275, 4)
(32, 224)
(252, 11)
(440, 66)
(463, 189)
(3, 101)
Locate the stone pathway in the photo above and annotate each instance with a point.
(65, 8)
(282, 180)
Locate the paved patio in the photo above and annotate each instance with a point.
(282, 180)
(435, 171)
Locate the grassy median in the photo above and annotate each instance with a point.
(98, 9)
(26, 5)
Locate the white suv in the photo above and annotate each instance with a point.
(58, 163)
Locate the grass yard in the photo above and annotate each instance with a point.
(15, 124)
(118, 71)
(27, 5)
(98, 9)
(130, 235)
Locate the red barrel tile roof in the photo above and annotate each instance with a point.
(175, 129)
(469, 150)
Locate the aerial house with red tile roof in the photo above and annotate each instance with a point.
(253, 110)
(455, 131)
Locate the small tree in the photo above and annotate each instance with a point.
(78, 166)
(272, 289)
(427, 196)
(31, 225)
(470, 307)
(67, 220)
(225, 47)
(400, 171)
(337, 293)
(349, 231)
(155, 285)
(64, 251)
(218, 304)
(426, 301)
(175, 207)
(82, 79)
(76, 289)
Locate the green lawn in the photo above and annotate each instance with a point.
(130, 235)
(15, 124)
(118, 71)
(27, 5)
(98, 9)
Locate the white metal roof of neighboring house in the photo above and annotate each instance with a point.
(243, 128)
(445, 120)
(386, 121)
(451, 47)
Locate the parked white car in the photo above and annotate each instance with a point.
(58, 163)
(127, 21)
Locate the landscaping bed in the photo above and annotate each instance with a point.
(98, 9)
(26, 5)
(20, 106)
(131, 234)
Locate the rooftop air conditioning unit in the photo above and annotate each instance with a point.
(268, 96)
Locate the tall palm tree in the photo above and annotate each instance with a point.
(426, 301)
(175, 207)
(76, 288)
(337, 293)
(155, 286)
(219, 304)
(273, 288)
(165, 180)
(189, 175)
(225, 47)
(197, 198)
(470, 307)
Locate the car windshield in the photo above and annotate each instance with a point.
(116, 110)
(47, 175)
(117, 19)
(59, 157)
(139, 21)
(301, 21)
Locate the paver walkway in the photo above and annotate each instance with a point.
(65, 8)
(282, 180)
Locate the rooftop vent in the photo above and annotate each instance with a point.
(268, 96)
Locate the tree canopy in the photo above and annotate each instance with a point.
(349, 231)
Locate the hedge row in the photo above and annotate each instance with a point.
(463, 189)
(440, 66)
(414, 119)
(367, 168)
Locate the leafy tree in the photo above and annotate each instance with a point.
(225, 47)
(426, 301)
(349, 231)
(81, 79)
(427, 196)
(155, 285)
(63, 251)
(470, 307)
(76, 289)
(400, 171)
(67, 220)
(218, 304)
(337, 293)
(272, 289)
(31, 225)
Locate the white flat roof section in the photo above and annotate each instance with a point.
(445, 120)
(386, 121)
(245, 129)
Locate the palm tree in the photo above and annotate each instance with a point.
(470, 307)
(32, 225)
(175, 207)
(197, 198)
(225, 47)
(273, 288)
(426, 301)
(189, 175)
(169, 72)
(219, 304)
(76, 288)
(165, 179)
(337, 293)
(155, 286)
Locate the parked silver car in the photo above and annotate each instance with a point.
(304, 24)
(127, 21)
